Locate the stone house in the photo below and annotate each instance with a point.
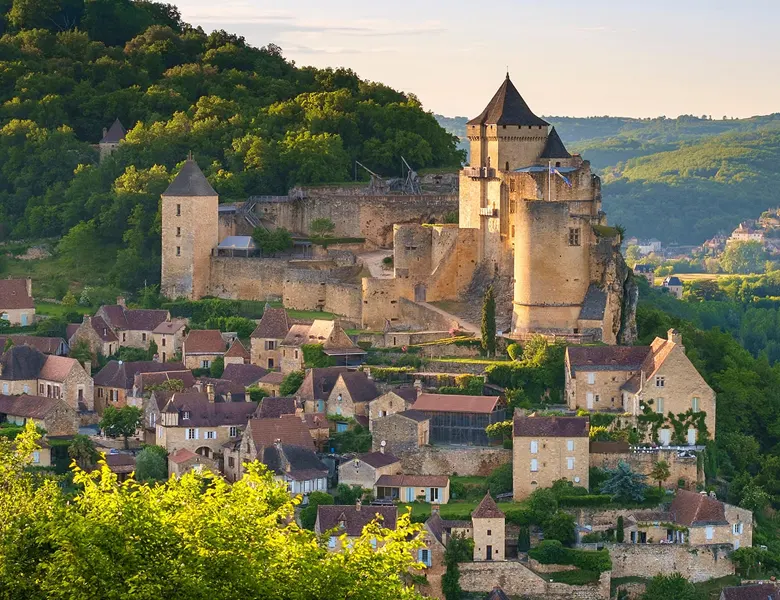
(52, 414)
(345, 523)
(298, 467)
(674, 286)
(757, 591)
(658, 379)
(201, 347)
(116, 383)
(316, 387)
(223, 390)
(46, 345)
(260, 434)
(350, 396)
(268, 336)
(246, 375)
(273, 407)
(270, 382)
(329, 334)
(169, 337)
(133, 327)
(111, 139)
(546, 449)
(42, 456)
(489, 531)
(647, 272)
(460, 419)
(365, 469)
(237, 354)
(145, 383)
(95, 332)
(16, 302)
(319, 428)
(194, 421)
(396, 400)
(184, 460)
(404, 431)
(25, 370)
(434, 489)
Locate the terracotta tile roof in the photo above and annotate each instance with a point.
(272, 378)
(316, 420)
(359, 386)
(142, 381)
(182, 455)
(190, 181)
(318, 383)
(274, 324)
(303, 462)
(290, 429)
(487, 509)
(169, 327)
(354, 518)
(204, 341)
(47, 345)
(114, 134)
(13, 294)
(20, 363)
(606, 358)
(237, 350)
(274, 407)
(456, 403)
(534, 426)
(414, 415)
(120, 374)
(759, 591)
(245, 375)
(507, 107)
(378, 459)
(203, 413)
(57, 368)
(31, 407)
(412, 481)
(691, 508)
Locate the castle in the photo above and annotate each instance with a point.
(530, 223)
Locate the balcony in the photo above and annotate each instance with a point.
(488, 212)
(479, 172)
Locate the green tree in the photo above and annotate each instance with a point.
(560, 526)
(744, 257)
(348, 494)
(82, 450)
(69, 299)
(217, 367)
(620, 530)
(489, 322)
(624, 485)
(122, 422)
(81, 351)
(169, 385)
(308, 514)
(321, 228)
(524, 539)
(9, 343)
(500, 480)
(152, 349)
(271, 242)
(459, 549)
(664, 587)
(291, 382)
(151, 466)
(660, 472)
(256, 394)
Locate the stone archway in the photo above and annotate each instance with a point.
(204, 451)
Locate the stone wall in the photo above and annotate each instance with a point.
(444, 460)
(420, 316)
(517, 580)
(695, 563)
(643, 462)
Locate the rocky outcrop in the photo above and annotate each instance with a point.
(627, 335)
(612, 275)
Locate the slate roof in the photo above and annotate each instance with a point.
(414, 415)
(274, 324)
(102, 328)
(497, 594)
(456, 403)
(21, 362)
(56, 368)
(554, 147)
(272, 378)
(407, 392)
(31, 407)
(13, 294)
(551, 426)
(303, 462)
(47, 345)
(137, 319)
(245, 375)
(190, 181)
(672, 280)
(359, 386)
(120, 374)
(594, 305)
(115, 134)
(412, 481)
(169, 327)
(691, 508)
(378, 459)
(208, 414)
(759, 591)
(507, 107)
(290, 429)
(606, 358)
(237, 350)
(318, 382)
(658, 352)
(274, 407)
(354, 518)
(204, 341)
(142, 381)
(487, 509)
(644, 268)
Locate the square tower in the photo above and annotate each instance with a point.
(489, 525)
(190, 232)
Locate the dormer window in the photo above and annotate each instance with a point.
(342, 524)
(186, 415)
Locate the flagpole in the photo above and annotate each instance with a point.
(549, 181)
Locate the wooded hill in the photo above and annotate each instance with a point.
(679, 180)
(256, 123)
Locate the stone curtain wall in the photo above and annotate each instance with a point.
(448, 461)
(695, 563)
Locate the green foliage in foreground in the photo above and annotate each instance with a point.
(194, 537)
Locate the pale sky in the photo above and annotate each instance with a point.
(633, 58)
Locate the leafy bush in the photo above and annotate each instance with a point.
(552, 552)
(314, 356)
(576, 577)
(500, 480)
(308, 514)
(291, 382)
(588, 500)
(514, 350)
(561, 527)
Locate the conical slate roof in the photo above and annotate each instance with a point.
(190, 182)
(115, 134)
(507, 108)
(487, 509)
(554, 147)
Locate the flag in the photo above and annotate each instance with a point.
(554, 171)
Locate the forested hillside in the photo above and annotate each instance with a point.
(679, 180)
(256, 122)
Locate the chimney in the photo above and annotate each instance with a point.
(358, 504)
(210, 392)
(105, 131)
(675, 337)
(120, 300)
(382, 445)
(199, 386)
(434, 509)
(229, 397)
(28, 281)
(418, 385)
(88, 367)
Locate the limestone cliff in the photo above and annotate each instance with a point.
(611, 274)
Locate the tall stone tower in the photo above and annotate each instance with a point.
(190, 232)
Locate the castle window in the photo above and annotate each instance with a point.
(178, 232)
(178, 250)
(695, 405)
(534, 465)
(507, 166)
(660, 381)
(512, 189)
(574, 236)
(178, 210)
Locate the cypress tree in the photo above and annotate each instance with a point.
(489, 322)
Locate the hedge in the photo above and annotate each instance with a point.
(589, 500)
(552, 552)
(578, 577)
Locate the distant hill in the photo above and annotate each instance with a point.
(680, 180)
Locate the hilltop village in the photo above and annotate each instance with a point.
(462, 346)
